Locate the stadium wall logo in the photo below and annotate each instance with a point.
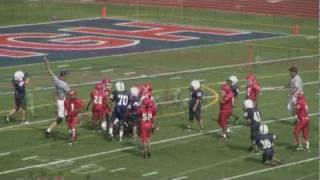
(102, 37)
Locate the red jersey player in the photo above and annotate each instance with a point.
(253, 88)
(147, 114)
(226, 105)
(302, 125)
(145, 91)
(107, 87)
(99, 100)
(72, 107)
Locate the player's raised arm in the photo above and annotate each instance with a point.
(47, 65)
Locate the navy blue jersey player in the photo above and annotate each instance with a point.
(19, 82)
(195, 105)
(266, 142)
(135, 102)
(236, 90)
(121, 100)
(252, 114)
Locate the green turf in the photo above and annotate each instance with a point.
(197, 156)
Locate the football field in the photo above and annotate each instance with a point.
(167, 47)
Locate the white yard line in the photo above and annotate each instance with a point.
(107, 70)
(187, 71)
(129, 73)
(150, 173)
(176, 78)
(131, 147)
(118, 169)
(87, 166)
(29, 158)
(5, 154)
(180, 178)
(85, 68)
(63, 66)
(307, 176)
(270, 169)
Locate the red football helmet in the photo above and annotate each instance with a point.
(148, 87)
(72, 94)
(251, 78)
(106, 82)
(300, 96)
(226, 88)
(99, 87)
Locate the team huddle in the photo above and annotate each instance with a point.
(119, 113)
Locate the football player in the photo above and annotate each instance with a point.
(253, 88)
(120, 98)
(236, 90)
(147, 115)
(266, 142)
(107, 87)
(135, 102)
(295, 87)
(99, 100)
(195, 105)
(302, 125)
(252, 114)
(19, 82)
(72, 107)
(145, 91)
(226, 100)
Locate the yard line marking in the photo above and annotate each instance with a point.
(63, 66)
(175, 78)
(132, 147)
(272, 168)
(87, 165)
(307, 176)
(118, 169)
(187, 71)
(86, 68)
(29, 158)
(180, 178)
(5, 154)
(129, 73)
(107, 70)
(150, 173)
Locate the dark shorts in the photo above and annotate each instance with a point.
(120, 114)
(194, 114)
(254, 132)
(21, 103)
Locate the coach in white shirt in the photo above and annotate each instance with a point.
(295, 86)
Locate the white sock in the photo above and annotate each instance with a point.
(121, 134)
(307, 145)
(49, 130)
(111, 131)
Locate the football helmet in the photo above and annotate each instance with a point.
(120, 86)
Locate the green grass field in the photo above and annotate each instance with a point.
(26, 154)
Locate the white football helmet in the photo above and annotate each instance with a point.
(104, 125)
(195, 84)
(120, 86)
(18, 75)
(233, 79)
(263, 129)
(248, 103)
(135, 91)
